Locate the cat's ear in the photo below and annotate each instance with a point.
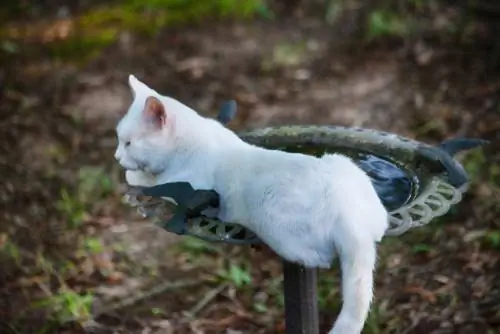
(154, 113)
(136, 85)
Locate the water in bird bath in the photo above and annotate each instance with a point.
(395, 184)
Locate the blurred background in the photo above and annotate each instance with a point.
(74, 258)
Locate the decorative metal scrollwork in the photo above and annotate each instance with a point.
(415, 181)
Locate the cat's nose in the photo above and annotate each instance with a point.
(117, 155)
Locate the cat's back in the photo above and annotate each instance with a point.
(274, 168)
(283, 162)
(335, 174)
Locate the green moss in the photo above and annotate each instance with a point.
(150, 16)
(387, 23)
(83, 47)
(100, 26)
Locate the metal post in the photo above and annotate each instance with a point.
(301, 302)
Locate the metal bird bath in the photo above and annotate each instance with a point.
(415, 181)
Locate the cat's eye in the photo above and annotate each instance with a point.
(127, 143)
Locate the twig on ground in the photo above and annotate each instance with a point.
(167, 286)
(211, 295)
(414, 324)
(224, 322)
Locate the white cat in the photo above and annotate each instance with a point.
(307, 209)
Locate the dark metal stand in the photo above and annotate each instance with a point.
(301, 302)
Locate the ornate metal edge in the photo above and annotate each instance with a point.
(434, 199)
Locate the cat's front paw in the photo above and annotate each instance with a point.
(138, 178)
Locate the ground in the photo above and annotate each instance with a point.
(72, 254)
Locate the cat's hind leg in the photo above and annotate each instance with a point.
(357, 257)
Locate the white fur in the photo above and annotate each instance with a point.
(307, 209)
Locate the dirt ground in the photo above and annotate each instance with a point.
(65, 232)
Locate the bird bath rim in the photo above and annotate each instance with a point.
(433, 196)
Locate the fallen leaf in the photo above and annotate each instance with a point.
(115, 277)
(422, 292)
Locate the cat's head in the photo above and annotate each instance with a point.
(146, 132)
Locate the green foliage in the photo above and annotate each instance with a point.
(194, 246)
(477, 166)
(93, 184)
(419, 4)
(328, 290)
(492, 239)
(421, 248)
(93, 245)
(487, 238)
(376, 320)
(474, 163)
(9, 46)
(285, 55)
(11, 251)
(67, 305)
(98, 28)
(82, 47)
(71, 208)
(237, 275)
(334, 9)
(260, 307)
(198, 9)
(158, 312)
(275, 290)
(150, 16)
(386, 23)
